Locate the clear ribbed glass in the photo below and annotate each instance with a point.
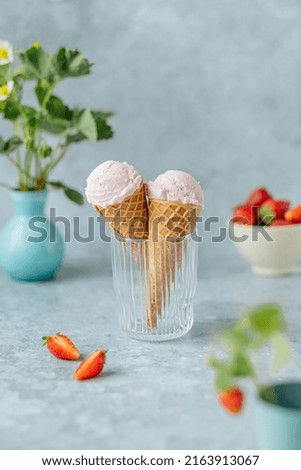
(155, 283)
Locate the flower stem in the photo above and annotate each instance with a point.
(18, 155)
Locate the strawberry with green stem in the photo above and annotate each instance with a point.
(262, 325)
(62, 347)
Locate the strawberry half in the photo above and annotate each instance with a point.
(91, 366)
(279, 207)
(293, 216)
(258, 197)
(245, 215)
(232, 400)
(61, 347)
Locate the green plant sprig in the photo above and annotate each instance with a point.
(263, 325)
(28, 149)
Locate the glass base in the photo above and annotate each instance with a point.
(164, 330)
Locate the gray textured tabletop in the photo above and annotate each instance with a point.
(151, 396)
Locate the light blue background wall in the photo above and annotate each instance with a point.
(212, 87)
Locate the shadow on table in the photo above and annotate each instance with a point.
(86, 269)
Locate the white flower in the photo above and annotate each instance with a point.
(6, 53)
(5, 90)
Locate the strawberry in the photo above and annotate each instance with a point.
(232, 399)
(293, 216)
(91, 366)
(61, 347)
(258, 197)
(245, 215)
(278, 222)
(279, 207)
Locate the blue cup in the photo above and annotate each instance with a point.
(278, 417)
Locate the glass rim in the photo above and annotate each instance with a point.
(147, 240)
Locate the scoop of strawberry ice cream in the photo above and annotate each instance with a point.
(178, 186)
(112, 182)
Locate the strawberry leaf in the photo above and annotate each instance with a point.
(71, 63)
(58, 109)
(267, 320)
(282, 352)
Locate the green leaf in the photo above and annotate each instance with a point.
(36, 64)
(58, 109)
(104, 131)
(18, 86)
(71, 63)
(56, 184)
(241, 366)
(41, 91)
(12, 110)
(224, 380)
(29, 112)
(282, 352)
(54, 126)
(85, 123)
(71, 193)
(45, 151)
(11, 145)
(74, 196)
(75, 138)
(103, 114)
(1, 144)
(223, 373)
(267, 319)
(266, 215)
(6, 73)
(32, 120)
(237, 340)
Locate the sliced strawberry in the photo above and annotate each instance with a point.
(293, 216)
(232, 399)
(91, 366)
(258, 197)
(278, 222)
(245, 215)
(61, 347)
(279, 207)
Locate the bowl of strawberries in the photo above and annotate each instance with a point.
(267, 233)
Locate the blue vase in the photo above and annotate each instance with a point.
(31, 249)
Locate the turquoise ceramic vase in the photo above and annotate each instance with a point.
(278, 417)
(31, 249)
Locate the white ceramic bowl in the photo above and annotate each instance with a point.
(271, 251)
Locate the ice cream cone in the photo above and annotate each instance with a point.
(129, 218)
(169, 222)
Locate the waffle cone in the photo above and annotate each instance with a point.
(169, 222)
(129, 218)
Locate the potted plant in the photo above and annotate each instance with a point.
(278, 405)
(40, 139)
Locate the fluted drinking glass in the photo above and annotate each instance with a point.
(155, 283)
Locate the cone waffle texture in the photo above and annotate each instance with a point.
(128, 219)
(169, 222)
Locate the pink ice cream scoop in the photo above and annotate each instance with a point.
(178, 186)
(112, 182)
